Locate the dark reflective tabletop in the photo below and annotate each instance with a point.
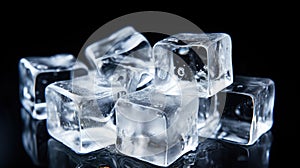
(45, 151)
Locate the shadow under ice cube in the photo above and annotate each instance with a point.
(124, 58)
(81, 114)
(248, 111)
(36, 73)
(155, 127)
(203, 57)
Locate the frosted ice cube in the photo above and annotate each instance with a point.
(156, 127)
(38, 72)
(248, 113)
(124, 57)
(204, 57)
(81, 114)
(34, 138)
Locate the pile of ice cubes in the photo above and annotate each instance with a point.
(153, 103)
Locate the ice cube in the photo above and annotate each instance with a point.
(62, 156)
(81, 114)
(188, 56)
(124, 57)
(34, 138)
(38, 72)
(248, 111)
(157, 127)
(209, 115)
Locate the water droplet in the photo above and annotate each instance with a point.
(42, 67)
(266, 96)
(239, 86)
(173, 40)
(237, 111)
(183, 51)
(118, 51)
(44, 81)
(180, 71)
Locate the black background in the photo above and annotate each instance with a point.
(259, 49)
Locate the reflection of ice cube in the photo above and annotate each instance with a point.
(155, 127)
(203, 57)
(124, 58)
(38, 72)
(61, 156)
(80, 113)
(212, 153)
(248, 113)
(34, 138)
(209, 153)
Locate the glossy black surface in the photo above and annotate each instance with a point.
(45, 151)
(259, 49)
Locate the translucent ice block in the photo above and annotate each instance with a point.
(38, 72)
(209, 115)
(156, 127)
(81, 114)
(124, 58)
(204, 57)
(34, 138)
(248, 111)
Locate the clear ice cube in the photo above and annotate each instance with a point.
(81, 113)
(203, 57)
(34, 138)
(209, 115)
(38, 72)
(124, 57)
(155, 126)
(248, 111)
